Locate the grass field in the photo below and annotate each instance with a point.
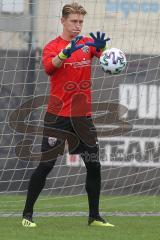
(68, 228)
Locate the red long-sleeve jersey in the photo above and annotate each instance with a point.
(70, 85)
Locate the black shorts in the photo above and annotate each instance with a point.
(79, 132)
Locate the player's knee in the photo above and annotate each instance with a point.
(47, 164)
(93, 168)
(45, 167)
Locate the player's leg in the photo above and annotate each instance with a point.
(36, 184)
(93, 186)
(89, 150)
(50, 151)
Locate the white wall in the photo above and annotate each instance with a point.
(132, 25)
(134, 28)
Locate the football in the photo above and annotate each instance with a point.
(113, 61)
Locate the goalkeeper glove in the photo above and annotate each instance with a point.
(99, 41)
(71, 47)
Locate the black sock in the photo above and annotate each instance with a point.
(93, 185)
(36, 185)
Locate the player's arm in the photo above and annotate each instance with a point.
(49, 52)
(52, 61)
(57, 62)
(67, 52)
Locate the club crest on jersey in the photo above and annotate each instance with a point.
(52, 141)
(85, 49)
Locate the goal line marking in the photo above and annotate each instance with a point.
(81, 214)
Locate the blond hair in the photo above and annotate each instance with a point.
(73, 8)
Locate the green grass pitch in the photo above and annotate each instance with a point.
(68, 228)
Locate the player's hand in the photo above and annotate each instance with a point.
(99, 41)
(71, 47)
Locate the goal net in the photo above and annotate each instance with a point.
(128, 103)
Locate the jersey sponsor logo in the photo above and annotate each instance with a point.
(52, 141)
(84, 63)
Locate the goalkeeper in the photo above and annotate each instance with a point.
(67, 60)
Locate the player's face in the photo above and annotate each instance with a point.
(72, 25)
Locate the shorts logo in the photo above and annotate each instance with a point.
(52, 141)
(85, 49)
